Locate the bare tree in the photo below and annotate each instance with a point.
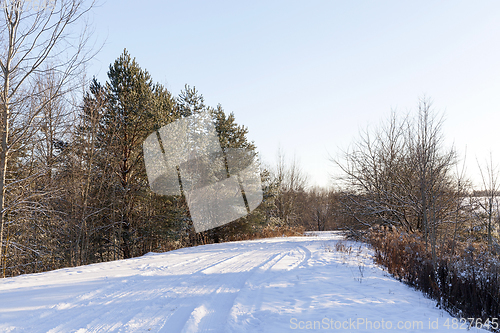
(461, 206)
(322, 208)
(35, 42)
(377, 176)
(491, 186)
(433, 171)
(399, 174)
(290, 184)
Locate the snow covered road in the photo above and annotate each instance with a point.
(270, 285)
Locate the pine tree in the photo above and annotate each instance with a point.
(231, 135)
(132, 108)
(135, 108)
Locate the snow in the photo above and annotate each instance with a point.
(269, 285)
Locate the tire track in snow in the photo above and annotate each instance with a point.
(153, 290)
(163, 308)
(249, 300)
(188, 290)
(213, 314)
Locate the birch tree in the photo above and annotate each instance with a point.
(36, 40)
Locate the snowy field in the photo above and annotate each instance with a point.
(273, 285)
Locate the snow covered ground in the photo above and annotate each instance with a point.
(270, 285)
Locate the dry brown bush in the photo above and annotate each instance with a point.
(466, 283)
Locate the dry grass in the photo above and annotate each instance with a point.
(466, 282)
(269, 232)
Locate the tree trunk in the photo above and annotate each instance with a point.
(4, 145)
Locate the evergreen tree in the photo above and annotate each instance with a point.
(135, 108)
(118, 210)
(231, 135)
(130, 107)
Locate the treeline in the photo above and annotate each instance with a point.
(73, 186)
(85, 197)
(81, 189)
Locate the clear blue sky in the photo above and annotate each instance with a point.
(308, 75)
